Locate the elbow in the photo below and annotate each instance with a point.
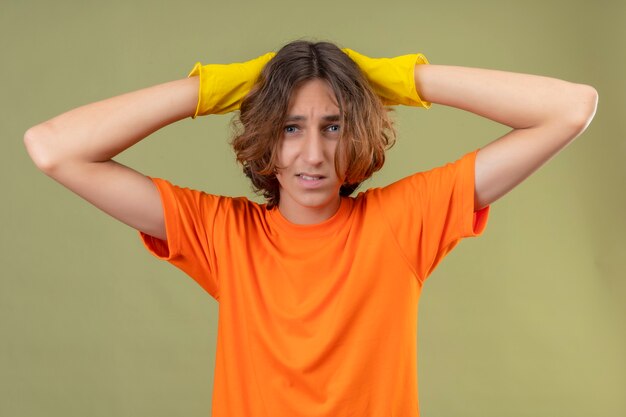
(35, 140)
(582, 107)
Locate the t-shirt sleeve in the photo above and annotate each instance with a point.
(190, 216)
(430, 212)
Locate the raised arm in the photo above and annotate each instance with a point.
(545, 114)
(75, 149)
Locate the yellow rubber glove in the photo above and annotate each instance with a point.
(223, 86)
(392, 79)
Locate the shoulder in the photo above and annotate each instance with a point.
(436, 189)
(450, 172)
(205, 201)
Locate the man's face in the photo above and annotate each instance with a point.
(309, 185)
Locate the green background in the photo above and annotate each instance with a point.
(527, 320)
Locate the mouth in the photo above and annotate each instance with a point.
(310, 177)
(310, 181)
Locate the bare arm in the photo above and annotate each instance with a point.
(545, 114)
(75, 149)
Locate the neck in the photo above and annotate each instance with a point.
(308, 215)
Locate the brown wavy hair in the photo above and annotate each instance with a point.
(366, 133)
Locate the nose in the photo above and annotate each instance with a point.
(313, 148)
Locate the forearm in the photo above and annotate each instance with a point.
(520, 101)
(545, 113)
(98, 131)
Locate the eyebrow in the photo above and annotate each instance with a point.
(328, 118)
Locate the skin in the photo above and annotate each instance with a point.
(308, 146)
(544, 114)
(76, 148)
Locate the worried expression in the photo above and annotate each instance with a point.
(309, 185)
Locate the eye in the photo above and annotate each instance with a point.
(290, 129)
(333, 128)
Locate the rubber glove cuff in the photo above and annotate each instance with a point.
(393, 79)
(222, 87)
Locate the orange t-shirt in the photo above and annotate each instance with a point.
(319, 320)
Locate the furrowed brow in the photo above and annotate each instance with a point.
(328, 118)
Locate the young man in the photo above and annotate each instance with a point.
(318, 291)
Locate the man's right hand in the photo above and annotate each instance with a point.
(224, 86)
